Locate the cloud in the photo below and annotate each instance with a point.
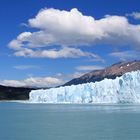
(76, 74)
(33, 82)
(125, 55)
(26, 67)
(64, 52)
(89, 68)
(135, 15)
(70, 75)
(70, 29)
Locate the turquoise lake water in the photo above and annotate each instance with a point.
(69, 122)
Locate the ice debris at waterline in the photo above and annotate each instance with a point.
(124, 89)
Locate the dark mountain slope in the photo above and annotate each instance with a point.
(111, 72)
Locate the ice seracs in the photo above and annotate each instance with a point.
(124, 89)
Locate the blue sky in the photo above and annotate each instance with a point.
(48, 42)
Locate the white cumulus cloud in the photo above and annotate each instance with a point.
(72, 29)
(135, 15)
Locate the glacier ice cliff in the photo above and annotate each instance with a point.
(124, 89)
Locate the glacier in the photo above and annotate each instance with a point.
(124, 89)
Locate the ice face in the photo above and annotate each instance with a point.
(124, 89)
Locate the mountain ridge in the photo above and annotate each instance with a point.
(111, 72)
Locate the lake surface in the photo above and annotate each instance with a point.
(19, 121)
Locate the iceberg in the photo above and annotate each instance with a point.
(124, 89)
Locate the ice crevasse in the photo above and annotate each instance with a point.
(124, 89)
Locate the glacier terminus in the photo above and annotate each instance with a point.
(124, 89)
